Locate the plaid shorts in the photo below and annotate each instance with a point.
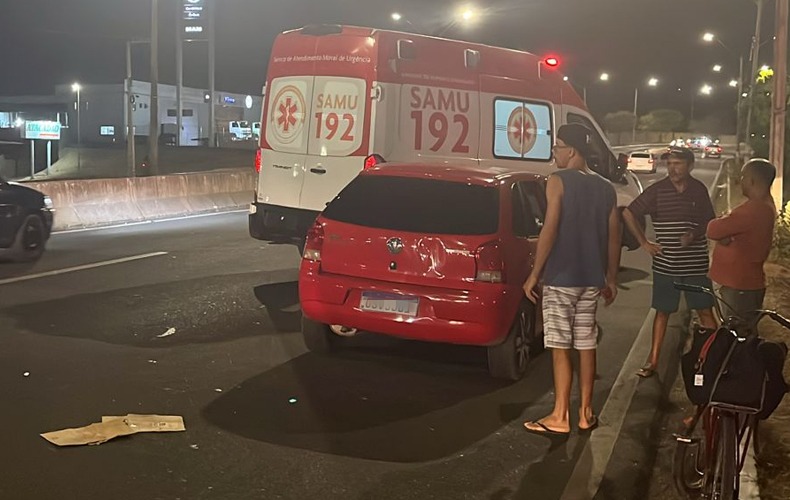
(569, 317)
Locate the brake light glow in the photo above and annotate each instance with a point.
(373, 160)
(314, 242)
(489, 263)
(258, 160)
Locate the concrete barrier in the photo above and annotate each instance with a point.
(100, 202)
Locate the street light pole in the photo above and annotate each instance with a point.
(755, 56)
(739, 112)
(779, 102)
(77, 88)
(636, 116)
(153, 127)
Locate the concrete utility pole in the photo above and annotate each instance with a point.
(212, 122)
(779, 101)
(179, 77)
(153, 130)
(130, 155)
(755, 58)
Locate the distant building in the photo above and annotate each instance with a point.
(103, 113)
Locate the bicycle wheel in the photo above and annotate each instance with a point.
(724, 482)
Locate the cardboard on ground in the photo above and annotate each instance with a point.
(114, 426)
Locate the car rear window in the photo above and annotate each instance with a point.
(640, 155)
(417, 205)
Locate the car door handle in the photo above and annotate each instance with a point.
(318, 170)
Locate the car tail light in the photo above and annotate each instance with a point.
(373, 160)
(489, 263)
(629, 159)
(314, 242)
(258, 160)
(650, 160)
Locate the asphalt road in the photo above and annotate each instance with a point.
(80, 337)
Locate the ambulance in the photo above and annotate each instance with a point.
(341, 99)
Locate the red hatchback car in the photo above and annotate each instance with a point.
(428, 252)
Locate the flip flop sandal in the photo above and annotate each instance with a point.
(646, 371)
(593, 425)
(543, 429)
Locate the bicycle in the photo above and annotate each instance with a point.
(738, 392)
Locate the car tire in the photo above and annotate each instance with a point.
(509, 360)
(318, 337)
(31, 239)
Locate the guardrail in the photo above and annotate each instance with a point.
(100, 202)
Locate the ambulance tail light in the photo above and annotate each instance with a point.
(258, 160)
(373, 160)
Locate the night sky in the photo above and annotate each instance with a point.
(47, 42)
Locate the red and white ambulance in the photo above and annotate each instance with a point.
(339, 97)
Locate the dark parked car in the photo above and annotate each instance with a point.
(25, 222)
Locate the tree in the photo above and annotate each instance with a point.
(621, 121)
(661, 120)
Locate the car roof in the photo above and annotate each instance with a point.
(474, 174)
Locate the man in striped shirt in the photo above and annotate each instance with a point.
(680, 209)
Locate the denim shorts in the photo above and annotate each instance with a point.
(666, 297)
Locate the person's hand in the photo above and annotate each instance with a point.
(652, 248)
(609, 292)
(686, 239)
(725, 241)
(529, 288)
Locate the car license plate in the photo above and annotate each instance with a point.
(389, 303)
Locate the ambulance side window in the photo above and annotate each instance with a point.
(603, 161)
(522, 130)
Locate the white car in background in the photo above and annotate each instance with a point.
(641, 161)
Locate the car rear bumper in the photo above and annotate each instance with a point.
(280, 224)
(481, 315)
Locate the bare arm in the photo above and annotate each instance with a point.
(615, 251)
(636, 229)
(548, 235)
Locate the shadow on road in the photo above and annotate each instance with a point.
(415, 403)
(282, 303)
(208, 309)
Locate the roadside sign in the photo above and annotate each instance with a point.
(44, 130)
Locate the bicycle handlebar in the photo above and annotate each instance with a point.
(733, 320)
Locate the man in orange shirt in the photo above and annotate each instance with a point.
(744, 240)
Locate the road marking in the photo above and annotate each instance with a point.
(151, 221)
(594, 459)
(81, 268)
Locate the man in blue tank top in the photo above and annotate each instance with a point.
(578, 256)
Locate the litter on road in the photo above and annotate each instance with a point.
(169, 332)
(114, 426)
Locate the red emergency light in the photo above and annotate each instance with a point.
(551, 61)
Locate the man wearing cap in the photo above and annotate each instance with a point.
(680, 209)
(578, 256)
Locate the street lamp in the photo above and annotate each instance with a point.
(717, 68)
(706, 89)
(653, 82)
(398, 17)
(708, 37)
(76, 87)
(733, 83)
(604, 77)
(468, 14)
